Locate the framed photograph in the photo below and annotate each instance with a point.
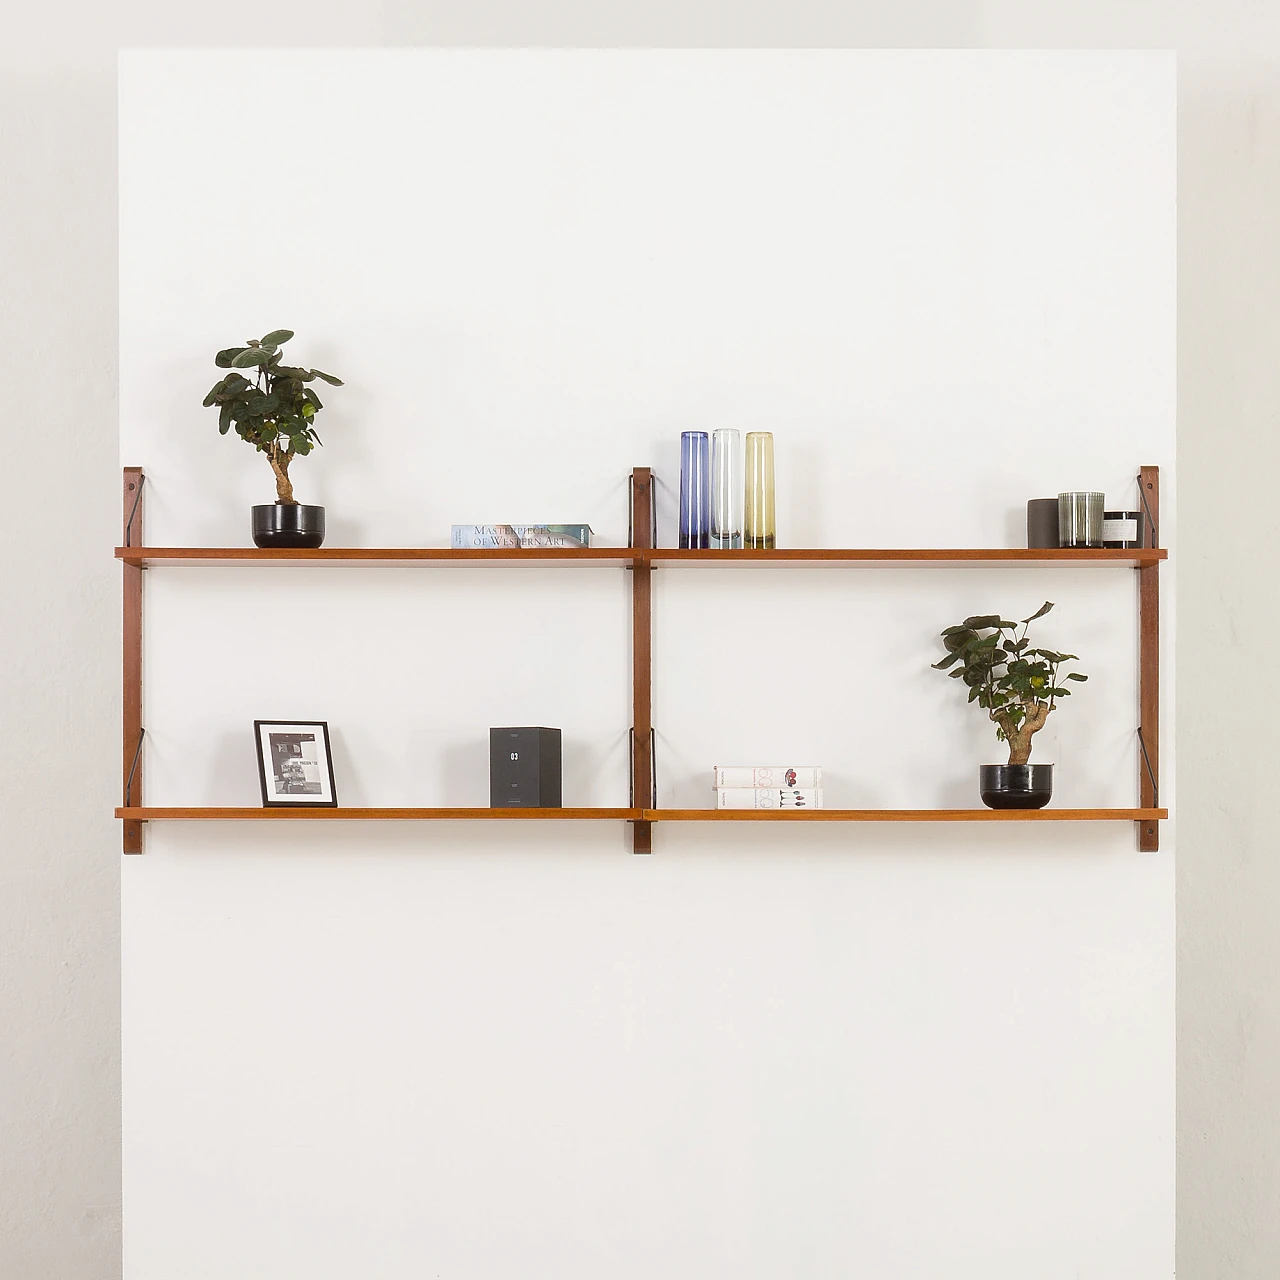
(295, 766)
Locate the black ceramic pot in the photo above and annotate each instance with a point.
(288, 525)
(1015, 786)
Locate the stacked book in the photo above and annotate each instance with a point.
(520, 535)
(768, 786)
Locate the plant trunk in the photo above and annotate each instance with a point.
(1020, 738)
(284, 486)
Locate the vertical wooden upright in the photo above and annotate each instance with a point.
(1149, 660)
(641, 659)
(131, 777)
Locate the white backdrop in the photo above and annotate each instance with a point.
(946, 282)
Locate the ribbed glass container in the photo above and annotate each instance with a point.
(758, 531)
(1080, 518)
(695, 489)
(726, 488)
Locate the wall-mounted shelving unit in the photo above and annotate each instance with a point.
(641, 559)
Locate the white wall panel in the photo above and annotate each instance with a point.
(946, 283)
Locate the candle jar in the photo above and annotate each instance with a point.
(1042, 523)
(758, 516)
(1080, 518)
(1122, 529)
(695, 489)
(726, 488)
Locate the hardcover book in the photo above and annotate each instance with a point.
(768, 775)
(520, 535)
(769, 798)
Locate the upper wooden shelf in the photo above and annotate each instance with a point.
(619, 557)
(879, 555)
(364, 557)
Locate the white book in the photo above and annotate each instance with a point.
(769, 798)
(767, 775)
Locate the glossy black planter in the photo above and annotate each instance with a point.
(1015, 786)
(281, 525)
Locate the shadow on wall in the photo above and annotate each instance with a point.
(1228, 1163)
(59, 990)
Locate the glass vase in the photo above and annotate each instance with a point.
(726, 488)
(758, 517)
(1080, 518)
(695, 489)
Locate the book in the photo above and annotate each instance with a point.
(542, 536)
(484, 535)
(520, 535)
(769, 798)
(768, 775)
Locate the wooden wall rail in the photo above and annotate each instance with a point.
(1149, 661)
(642, 779)
(132, 737)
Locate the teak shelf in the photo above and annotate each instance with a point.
(246, 814)
(619, 557)
(640, 559)
(340, 814)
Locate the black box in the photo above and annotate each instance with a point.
(524, 768)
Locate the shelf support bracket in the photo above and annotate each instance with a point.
(1151, 773)
(652, 802)
(643, 535)
(132, 764)
(137, 755)
(1149, 662)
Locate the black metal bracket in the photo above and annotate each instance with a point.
(133, 511)
(1153, 531)
(1151, 773)
(653, 768)
(133, 768)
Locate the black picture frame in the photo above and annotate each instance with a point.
(288, 776)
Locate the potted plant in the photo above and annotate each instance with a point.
(1018, 686)
(274, 410)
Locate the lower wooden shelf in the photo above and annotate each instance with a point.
(642, 815)
(321, 813)
(905, 815)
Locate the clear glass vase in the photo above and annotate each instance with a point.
(726, 488)
(1080, 514)
(695, 489)
(758, 517)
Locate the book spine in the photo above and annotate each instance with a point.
(582, 532)
(769, 775)
(769, 798)
(483, 535)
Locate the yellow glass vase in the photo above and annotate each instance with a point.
(758, 519)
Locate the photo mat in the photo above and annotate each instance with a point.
(295, 766)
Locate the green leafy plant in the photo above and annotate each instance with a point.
(1017, 685)
(273, 410)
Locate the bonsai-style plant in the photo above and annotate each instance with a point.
(274, 410)
(1017, 685)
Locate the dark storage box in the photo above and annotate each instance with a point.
(524, 768)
